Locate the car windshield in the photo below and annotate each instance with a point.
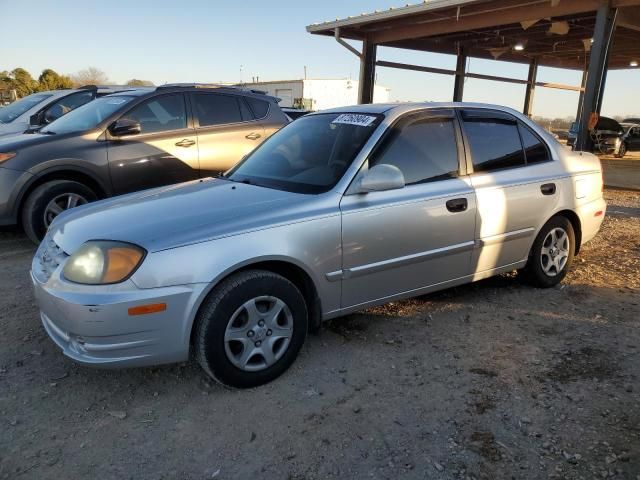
(309, 155)
(9, 113)
(88, 116)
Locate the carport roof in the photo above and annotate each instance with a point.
(555, 32)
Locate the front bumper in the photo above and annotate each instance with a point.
(92, 325)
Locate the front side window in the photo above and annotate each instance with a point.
(425, 150)
(534, 149)
(89, 115)
(66, 104)
(494, 142)
(9, 113)
(214, 109)
(160, 114)
(309, 155)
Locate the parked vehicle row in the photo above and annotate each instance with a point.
(42, 108)
(129, 141)
(337, 211)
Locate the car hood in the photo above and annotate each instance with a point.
(178, 215)
(18, 140)
(12, 128)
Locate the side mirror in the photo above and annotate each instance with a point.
(125, 126)
(35, 120)
(380, 178)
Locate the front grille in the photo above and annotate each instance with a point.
(50, 256)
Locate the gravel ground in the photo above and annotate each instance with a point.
(489, 380)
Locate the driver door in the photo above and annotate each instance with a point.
(163, 153)
(402, 240)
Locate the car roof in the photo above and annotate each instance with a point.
(207, 87)
(398, 108)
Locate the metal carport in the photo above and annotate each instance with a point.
(592, 36)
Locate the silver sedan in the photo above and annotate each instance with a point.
(338, 211)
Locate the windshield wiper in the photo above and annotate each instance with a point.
(47, 132)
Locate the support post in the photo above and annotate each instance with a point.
(531, 87)
(583, 85)
(602, 37)
(367, 72)
(461, 66)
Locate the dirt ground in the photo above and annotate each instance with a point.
(494, 380)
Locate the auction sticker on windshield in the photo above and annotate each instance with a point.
(355, 119)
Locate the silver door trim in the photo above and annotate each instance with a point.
(504, 237)
(424, 290)
(398, 262)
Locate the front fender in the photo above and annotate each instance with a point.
(313, 246)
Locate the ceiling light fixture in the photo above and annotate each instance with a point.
(633, 63)
(518, 47)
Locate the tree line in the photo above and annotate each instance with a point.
(24, 84)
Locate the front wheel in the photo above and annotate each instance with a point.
(552, 253)
(250, 328)
(50, 199)
(622, 150)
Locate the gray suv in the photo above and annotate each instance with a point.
(129, 141)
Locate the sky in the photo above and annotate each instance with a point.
(211, 41)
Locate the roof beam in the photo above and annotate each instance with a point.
(480, 76)
(490, 17)
(629, 18)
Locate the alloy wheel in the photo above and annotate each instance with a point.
(61, 203)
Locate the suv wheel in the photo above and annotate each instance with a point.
(250, 329)
(552, 253)
(49, 200)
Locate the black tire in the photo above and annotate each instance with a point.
(33, 210)
(534, 271)
(217, 311)
(622, 150)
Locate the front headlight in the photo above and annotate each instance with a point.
(100, 262)
(6, 156)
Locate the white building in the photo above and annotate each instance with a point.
(318, 94)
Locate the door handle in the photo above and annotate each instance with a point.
(548, 188)
(253, 136)
(457, 205)
(185, 143)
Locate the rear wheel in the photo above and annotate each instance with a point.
(552, 253)
(50, 199)
(250, 329)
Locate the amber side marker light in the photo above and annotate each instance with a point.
(146, 309)
(598, 213)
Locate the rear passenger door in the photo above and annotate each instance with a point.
(164, 152)
(226, 128)
(514, 189)
(399, 241)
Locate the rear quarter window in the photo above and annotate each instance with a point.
(260, 108)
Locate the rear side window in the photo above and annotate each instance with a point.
(534, 149)
(160, 114)
(215, 109)
(425, 150)
(494, 142)
(259, 107)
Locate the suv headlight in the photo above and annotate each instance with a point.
(100, 262)
(6, 156)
